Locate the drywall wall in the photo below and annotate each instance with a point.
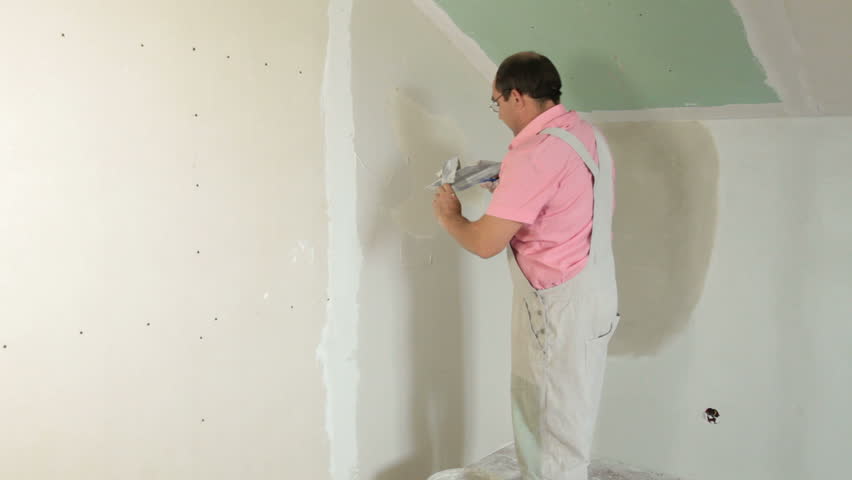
(767, 344)
(162, 276)
(433, 320)
(663, 229)
(623, 55)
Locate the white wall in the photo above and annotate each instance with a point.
(730, 241)
(433, 320)
(132, 228)
(707, 228)
(768, 342)
(190, 253)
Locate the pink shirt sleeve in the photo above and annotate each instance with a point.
(527, 183)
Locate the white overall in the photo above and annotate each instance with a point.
(560, 337)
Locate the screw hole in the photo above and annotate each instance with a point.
(712, 415)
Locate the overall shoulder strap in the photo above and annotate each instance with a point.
(577, 145)
(601, 241)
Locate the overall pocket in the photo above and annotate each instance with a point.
(596, 349)
(537, 322)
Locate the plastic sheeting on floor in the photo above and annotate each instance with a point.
(502, 465)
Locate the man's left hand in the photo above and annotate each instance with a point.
(446, 205)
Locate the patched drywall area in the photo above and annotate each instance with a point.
(162, 210)
(767, 346)
(821, 36)
(625, 55)
(667, 178)
(422, 137)
(433, 320)
(804, 47)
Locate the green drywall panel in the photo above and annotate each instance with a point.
(623, 54)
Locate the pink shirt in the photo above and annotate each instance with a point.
(545, 185)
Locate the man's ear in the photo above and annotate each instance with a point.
(517, 97)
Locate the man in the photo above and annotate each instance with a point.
(553, 207)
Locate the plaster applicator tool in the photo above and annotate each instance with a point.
(464, 178)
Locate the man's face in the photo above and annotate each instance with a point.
(504, 108)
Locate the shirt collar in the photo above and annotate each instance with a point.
(539, 123)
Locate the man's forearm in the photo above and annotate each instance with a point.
(471, 236)
(465, 233)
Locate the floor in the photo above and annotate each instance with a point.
(502, 465)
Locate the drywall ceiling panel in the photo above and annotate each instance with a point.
(625, 55)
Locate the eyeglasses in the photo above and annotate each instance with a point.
(495, 105)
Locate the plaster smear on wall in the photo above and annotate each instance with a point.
(425, 140)
(303, 252)
(822, 39)
(340, 335)
(770, 35)
(665, 221)
(803, 45)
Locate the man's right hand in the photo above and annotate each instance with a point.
(490, 186)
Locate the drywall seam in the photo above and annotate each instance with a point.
(339, 344)
(462, 41)
(764, 110)
(772, 40)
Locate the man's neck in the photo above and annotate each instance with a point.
(533, 114)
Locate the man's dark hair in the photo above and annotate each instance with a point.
(529, 73)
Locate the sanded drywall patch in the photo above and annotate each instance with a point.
(340, 336)
(667, 177)
(624, 55)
